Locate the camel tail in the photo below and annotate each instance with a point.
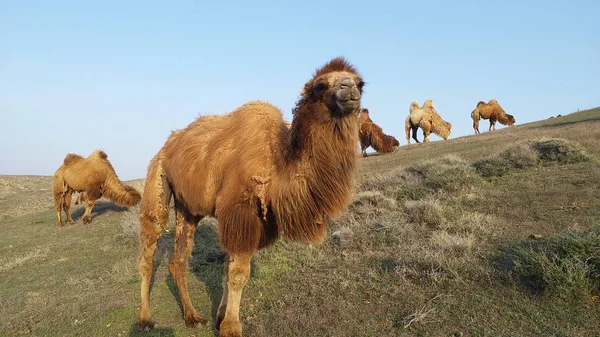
(58, 187)
(154, 209)
(119, 193)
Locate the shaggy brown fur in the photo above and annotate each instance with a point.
(93, 176)
(426, 118)
(371, 134)
(258, 177)
(492, 111)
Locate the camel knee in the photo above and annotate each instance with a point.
(238, 277)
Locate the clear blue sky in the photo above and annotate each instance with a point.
(120, 75)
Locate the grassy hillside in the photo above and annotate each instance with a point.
(489, 235)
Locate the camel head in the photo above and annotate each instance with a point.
(395, 144)
(510, 120)
(337, 86)
(445, 130)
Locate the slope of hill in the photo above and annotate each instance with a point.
(489, 235)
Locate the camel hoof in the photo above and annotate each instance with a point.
(230, 329)
(86, 220)
(191, 321)
(219, 320)
(146, 325)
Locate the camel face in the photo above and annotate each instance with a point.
(396, 145)
(511, 120)
(341, 91)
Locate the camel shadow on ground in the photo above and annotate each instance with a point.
(100, 207)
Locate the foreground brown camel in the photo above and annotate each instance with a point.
(492, 111)
(93, 176)
(371, 134)
(258, 177)
(428, 120)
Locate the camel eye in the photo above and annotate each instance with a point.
(320, 88)
(360, 85)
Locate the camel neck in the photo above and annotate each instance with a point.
(318, 175)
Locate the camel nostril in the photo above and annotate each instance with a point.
(347, 83)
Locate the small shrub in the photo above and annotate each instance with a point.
(568, 267)
(449, 173)
(519, 156)
(529, 154)
(426, 212)
(560, 151)
(371, 202)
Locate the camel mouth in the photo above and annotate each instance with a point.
(348, 106)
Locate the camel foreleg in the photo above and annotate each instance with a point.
(414, 133)
(238, 272)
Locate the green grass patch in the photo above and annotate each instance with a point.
(566, 266)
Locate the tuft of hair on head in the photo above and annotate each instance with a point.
(336, 64)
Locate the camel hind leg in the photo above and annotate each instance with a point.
(407, 128)
(58, 205)
(58, 191)
(184, 242)
(154, 215)
(476, 126)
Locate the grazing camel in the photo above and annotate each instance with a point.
(492, 111)
(428, 120)
(93, 176)
(258, 177)
(371, 134)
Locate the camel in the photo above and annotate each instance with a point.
(426, 118)
(371, 134)
(93, 176)
(492, 111)
(258, 178)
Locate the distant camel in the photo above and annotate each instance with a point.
(93, 176)
(371, 134)
(492, 111)
(428, 120)
(258, 177)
